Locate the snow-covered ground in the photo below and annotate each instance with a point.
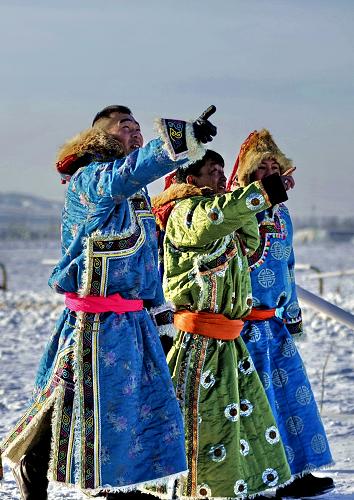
(28, 311)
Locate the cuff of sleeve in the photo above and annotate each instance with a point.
(295, 329)
(163, 319)
(273, 185)
(179, 140)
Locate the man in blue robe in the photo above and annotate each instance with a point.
(103, 415)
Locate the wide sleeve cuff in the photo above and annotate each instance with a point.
(295, 328)
(163, 316)
(179, 140)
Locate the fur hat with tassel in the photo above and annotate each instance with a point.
(258, 146)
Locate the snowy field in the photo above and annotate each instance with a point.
(28, 311)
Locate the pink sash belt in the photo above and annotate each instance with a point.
(95, 305)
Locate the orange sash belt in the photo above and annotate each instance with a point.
(259, 314)
(216, 326)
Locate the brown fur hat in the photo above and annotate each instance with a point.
(258, 146)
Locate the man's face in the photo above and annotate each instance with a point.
(211, 175)
(265, 168)
(127, 130)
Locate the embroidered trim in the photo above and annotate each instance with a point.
(179, 140)
(270, 227)
(99, 248)
(192, 414)
(87, 363)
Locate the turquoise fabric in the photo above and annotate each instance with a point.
(116, 422)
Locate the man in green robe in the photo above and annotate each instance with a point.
(232, 442)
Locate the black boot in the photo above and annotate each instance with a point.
(306, 486)
(31, 472)
(31, 477)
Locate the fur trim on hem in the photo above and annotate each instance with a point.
(240, 497)
(131, 487)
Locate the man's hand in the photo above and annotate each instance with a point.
(204, 130)
(288, 179)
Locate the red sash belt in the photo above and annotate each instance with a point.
(216, 326)
(259, 314)
(95, 305)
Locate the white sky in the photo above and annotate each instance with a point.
(287, 65)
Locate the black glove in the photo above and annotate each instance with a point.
(204, 130)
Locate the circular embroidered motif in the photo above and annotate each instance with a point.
(295, 425)
(231, 412)
(277, 250)
(244, 447)
(288, 348)
(303, 395)
(254, 201)
(280, 377)
(240, 487)
(266, 278)
(318, 443)
(270, 477)
(217, 453)
(246, 366)
(216, 216)
(272, 435)
(204, 491)
(246, 408)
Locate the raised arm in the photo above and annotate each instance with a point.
(199, 221)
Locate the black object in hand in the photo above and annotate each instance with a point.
(204, 130)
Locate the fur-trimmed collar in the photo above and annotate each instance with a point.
(165, 201)
(176, 192)
(92, 144)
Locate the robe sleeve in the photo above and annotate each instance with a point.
(199, 221)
